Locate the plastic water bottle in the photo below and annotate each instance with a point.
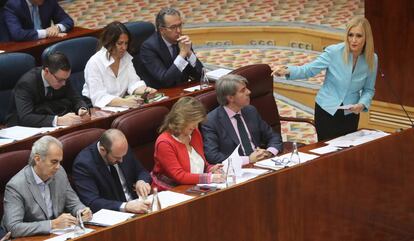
(294, 157)
(156, 205)
(230, 174)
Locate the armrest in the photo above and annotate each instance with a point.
(297, 119)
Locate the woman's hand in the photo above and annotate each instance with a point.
(357, 108)
(218, 178)
(217, 169)
(280, 71)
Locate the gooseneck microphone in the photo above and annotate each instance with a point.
(399, 101)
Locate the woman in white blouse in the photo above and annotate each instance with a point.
(110, 74)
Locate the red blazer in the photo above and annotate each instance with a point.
(172, 160)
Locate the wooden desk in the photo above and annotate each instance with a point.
(103, 119)
(36, 47)
(360, 193)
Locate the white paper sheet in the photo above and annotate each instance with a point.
(325, 149)
(272, 164)
(19, 132)
(344, 107)
(247, 174)
(69, 235)
(236, 161)
(4, 141)
(105, 217)
(214, 75)
(114, 108)
(169, 198)
(356, 138)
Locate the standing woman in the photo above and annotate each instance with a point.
(179, 155)
(348, 88)
(110, 74)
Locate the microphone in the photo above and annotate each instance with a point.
(399, 101)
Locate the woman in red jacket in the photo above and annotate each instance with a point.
(179, 155)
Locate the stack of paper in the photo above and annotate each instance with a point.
(356, 138)
(69, 235)
(169, 198)
(247, 174)
(114, 108)
(105, 217)
(277, 163)
(214, 75)
(21, 132)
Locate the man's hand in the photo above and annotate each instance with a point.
(52, 31)
(136, 206)
(86, 214)
(184, 43)
(257, 155)
(63, 221)
(142, 188)
(68, 119)
(6, 237)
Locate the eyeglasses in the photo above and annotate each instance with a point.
(58, 79)
(174, 27)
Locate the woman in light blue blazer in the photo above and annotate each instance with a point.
(348, 88)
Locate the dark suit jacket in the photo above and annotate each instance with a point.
(157, 67)
(29, 100)
(19, 21)
(94, 183)
(2, 233)
(220, 138)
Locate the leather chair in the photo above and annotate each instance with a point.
(78, 51)
(139, 31)
(261, 87)
(209, 100)
(12, 67)
(10, 164)
(141, 130)
(75, 142)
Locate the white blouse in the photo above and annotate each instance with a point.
(196, 161)
(101, 84)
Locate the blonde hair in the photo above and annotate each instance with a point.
(368, 49)
(185, 110)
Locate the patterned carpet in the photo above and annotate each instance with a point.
(328, 13)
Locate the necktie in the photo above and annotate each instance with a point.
(119, 189)
(49, 92)
(247, 147)
(36, 17)
(47, 198)
(175, 50)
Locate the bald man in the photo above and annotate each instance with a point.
(107, 175)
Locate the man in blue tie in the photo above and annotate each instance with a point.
(31, 19)
(236, 122)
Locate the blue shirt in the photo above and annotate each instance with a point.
(341, 85)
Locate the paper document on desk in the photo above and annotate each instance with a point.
(247, 174)
(194, 88)
(114, 108)
(4, 141)
(69, 235)
(325, 149)
(272, 163)
(356, 138)
(214, 75)
(105, 217)
(236, 161)
(20, 132)
(169, 198)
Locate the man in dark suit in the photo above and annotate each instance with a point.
(39, 198)
(166, 57)
(107, 175)
(30, 19)
(236, 122)
(44, 96)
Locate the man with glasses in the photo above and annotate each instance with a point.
(166, 57)
(43, 97)
(107, 175)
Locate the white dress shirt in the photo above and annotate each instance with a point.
(196, 161)
(101, 84)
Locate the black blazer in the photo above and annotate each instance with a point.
(156, 66)
(30, 107)
(94, 183)
(220, 138)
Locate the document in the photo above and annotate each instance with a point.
(169, 198)
(4, 141)
(236, 161)
(105, 217)
(22, 132)
(344, 107)
(282, 161)
(325, 149)
(247, 174)
(194, 88)
(214, 75)
(69, 235)
(114, 108)
(356, 138)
